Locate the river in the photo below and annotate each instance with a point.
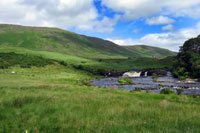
(146, 83)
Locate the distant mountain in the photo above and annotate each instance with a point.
(149, 51)
(62, 41)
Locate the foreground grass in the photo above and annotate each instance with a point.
(59, 99)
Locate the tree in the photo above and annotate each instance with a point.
(187, 64)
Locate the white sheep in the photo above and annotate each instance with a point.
(13, 72)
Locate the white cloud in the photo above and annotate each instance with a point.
(170, 40)
(168, 27)
(81, 14)
(159, 20)
(125, 42)
(134, 9)
(105, 25)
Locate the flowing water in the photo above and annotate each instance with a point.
(146, 83)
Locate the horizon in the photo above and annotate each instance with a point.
(166, 25)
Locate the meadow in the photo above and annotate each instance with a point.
(58, 98)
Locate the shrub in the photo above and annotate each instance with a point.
(63, 63)
(100, 60)
(25, 61)
(83, 62)
(138, 89)
(101, 71)
(154, 76)
(147, 91)
(167, 91)
(80, 67)
(161, 85)
(86, 83)
(4, 64)
(179, 91)
(194, 95)
(125, 80)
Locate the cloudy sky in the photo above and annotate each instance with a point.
(162, 23)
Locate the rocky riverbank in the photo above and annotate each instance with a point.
(137, 73)
(146, 83)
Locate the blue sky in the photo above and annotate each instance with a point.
(165, 24)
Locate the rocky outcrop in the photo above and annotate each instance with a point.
(157, 72)
(114, 73)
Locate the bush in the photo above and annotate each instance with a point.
(154, 76)
(100, 60)
(194, 95)
(147, 91)
(63, 63)
(83, 62)
(167, 91)
(25, 61)
(101, 72)
(125, 81)
(138, 89)
(161, 85)
(80, 67)
(86, 83)
(4, 64)
(179, 91)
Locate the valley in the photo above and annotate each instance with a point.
(45, 85)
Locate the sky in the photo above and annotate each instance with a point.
(161, 23)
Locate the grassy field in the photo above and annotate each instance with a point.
(55, 98)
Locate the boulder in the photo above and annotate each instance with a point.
(157, 72)
(115, 73)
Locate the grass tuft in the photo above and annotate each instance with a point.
(125, 81)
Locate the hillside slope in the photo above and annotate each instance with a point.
(149, 51)
(62, 41)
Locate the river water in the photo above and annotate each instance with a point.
(146, 83)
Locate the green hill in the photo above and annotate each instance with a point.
(149, 51)
(62, 41)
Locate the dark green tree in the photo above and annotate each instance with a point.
(187, 63)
